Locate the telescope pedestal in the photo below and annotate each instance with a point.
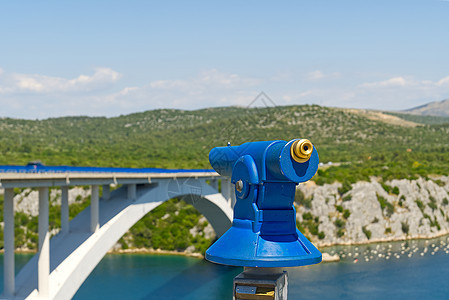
(261, 283)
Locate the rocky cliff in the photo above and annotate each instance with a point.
(374, 211)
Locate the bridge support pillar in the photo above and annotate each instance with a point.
(233, 199)
(131, 191)
(106, 192)
(226, 188)
(94, 209)
(44, 245)
(8, 233)
(214, 183)
(65, 209)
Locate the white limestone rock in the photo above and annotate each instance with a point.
(28, 200)
(430, 220)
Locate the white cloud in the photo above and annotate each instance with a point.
(392, 82)
(318, 75)
(402, 92)
(41, 96)
(207, 79)
(284, 76)
(168, 84)
(35, 83)
(396, 93)
(408, 83)
(208, 88)
(315, 75)
(443, 81)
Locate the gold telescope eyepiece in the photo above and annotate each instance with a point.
(301, 150)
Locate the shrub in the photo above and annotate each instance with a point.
(439, 182)
(420, 205)
(345, 187)
(340, 232)
(390, 209)
(313, 228)
(300, 227)
(385, 204)
(395, 190)
(432, 205)
(339, 208)
(366, 232)
(307, 216)
(346, 213)
(339, 223)
(434, 222)
(123, 243)
(385, 187)
(445, 201)
(405, 227)
(387, 230)
(321, 235)
(375, 220)
(300, 199)
(307, 203)
(382, 201)
(347, 198)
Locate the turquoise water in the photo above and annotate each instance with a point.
(382, 271)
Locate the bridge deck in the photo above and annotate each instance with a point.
(44, 176)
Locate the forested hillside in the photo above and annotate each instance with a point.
(182, 139)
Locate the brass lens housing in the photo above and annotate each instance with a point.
(301, 150)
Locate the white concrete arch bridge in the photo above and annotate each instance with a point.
(63, 262)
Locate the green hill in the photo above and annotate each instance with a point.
(182, 139)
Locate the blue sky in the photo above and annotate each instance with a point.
(106, 58)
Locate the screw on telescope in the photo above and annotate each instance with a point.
(239, 186)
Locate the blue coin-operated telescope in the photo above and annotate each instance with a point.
(263, 232)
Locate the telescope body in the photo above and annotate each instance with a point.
(263, 232)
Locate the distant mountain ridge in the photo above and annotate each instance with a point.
(436, 108)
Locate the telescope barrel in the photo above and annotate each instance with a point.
(296, 160)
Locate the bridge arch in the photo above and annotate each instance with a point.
(75, 254)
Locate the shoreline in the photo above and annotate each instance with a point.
(384, 240)
(156, 251)
(326, 256)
